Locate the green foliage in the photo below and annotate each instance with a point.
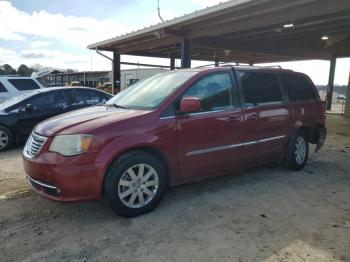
(6, 69)
(23, 70)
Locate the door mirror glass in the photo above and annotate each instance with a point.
(190, 105)
(29, 107)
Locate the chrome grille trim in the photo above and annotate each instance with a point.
(32, 180)
(34, 144)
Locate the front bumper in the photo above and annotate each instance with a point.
(64, 181)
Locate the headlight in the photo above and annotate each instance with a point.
(71, 145)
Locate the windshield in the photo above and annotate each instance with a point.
(150, 93)
(15, 100)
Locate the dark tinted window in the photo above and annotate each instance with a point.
(298, 87)
(2, 88)
(103, 97)
(93, 98)
(260, 88)
(24, 84)
(213, 91)
(87, 97)
(79, 97)
(48, 100)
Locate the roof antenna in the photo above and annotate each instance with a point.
(159, 13)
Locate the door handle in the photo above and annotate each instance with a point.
(233, 119)
(253, 117)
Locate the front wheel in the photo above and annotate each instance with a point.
(6, 138)
(297, 151)
(135, 183)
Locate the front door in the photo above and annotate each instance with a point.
(44, 106)
(209, 141)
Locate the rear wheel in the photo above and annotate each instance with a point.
(135, 183)
(6, 138)
(297, 151)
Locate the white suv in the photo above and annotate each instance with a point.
(11, 86)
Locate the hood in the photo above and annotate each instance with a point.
(85, 120)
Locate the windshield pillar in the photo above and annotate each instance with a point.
(115, 71)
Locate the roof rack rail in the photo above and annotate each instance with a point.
(275, 66)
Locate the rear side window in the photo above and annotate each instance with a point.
(2, 88)
(86, 97)
(24, 84)
(260, 88)
(103, 98)
(79, 97)
(298, 87)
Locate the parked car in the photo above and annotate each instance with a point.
(75, 83)
(20, 114)
(174, 128)
(11, 86)
(341, 98)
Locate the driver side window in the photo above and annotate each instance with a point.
(48, 100)
(214, 92)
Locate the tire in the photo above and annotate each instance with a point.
(130, 194)
(297, 151)
(6, 139)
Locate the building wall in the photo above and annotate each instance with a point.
(92, 79)
(140, 74)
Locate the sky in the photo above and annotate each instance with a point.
(56, 33)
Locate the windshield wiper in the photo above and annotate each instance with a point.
(117, 106)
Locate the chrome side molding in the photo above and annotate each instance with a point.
(220, 148)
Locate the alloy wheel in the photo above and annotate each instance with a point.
(300, 150)
(138, 185)
(4, 139)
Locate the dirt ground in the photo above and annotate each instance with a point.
(268, 214)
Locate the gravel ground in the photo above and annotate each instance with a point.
(268, 214)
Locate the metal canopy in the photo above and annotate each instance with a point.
(246, 31)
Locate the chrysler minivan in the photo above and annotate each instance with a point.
(173, 128)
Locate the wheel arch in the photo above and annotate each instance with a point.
(9, 128)
(142, 148)
(311, 133)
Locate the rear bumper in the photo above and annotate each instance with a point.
(65, 183)
(322, 134)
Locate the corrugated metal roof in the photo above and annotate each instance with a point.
(175, 21)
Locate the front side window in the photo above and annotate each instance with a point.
(298, 87)
(150, 93)
(24, 84)
(260, 88)
(2, 88)
(48, 101)
(214, 92)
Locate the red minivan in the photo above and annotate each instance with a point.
(174, 128)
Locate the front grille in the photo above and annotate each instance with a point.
(34, 143)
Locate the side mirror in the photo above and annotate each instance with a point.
(28, 107)
(190, 105)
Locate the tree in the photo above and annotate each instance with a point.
(24, 70)
(7, 70)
